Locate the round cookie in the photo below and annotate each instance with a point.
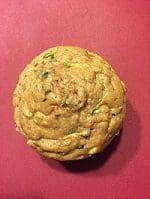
(69, 103)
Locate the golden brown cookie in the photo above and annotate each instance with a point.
(69, 103)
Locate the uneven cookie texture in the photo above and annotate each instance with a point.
(69, 103)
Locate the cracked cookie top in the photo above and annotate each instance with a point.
(69, 103)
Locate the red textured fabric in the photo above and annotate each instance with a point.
(120, 32)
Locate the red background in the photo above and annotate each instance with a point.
(120, 32)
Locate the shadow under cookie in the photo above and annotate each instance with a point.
(115, 157)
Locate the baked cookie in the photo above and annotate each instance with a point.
(69, 103)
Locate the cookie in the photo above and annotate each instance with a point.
(69, 103)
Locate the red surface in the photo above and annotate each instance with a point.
(120, 31)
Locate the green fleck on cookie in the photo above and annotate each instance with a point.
(50, 54)
(66, 65)
(95, 111)
(45, 75)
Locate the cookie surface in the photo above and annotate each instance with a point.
(69, 103)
